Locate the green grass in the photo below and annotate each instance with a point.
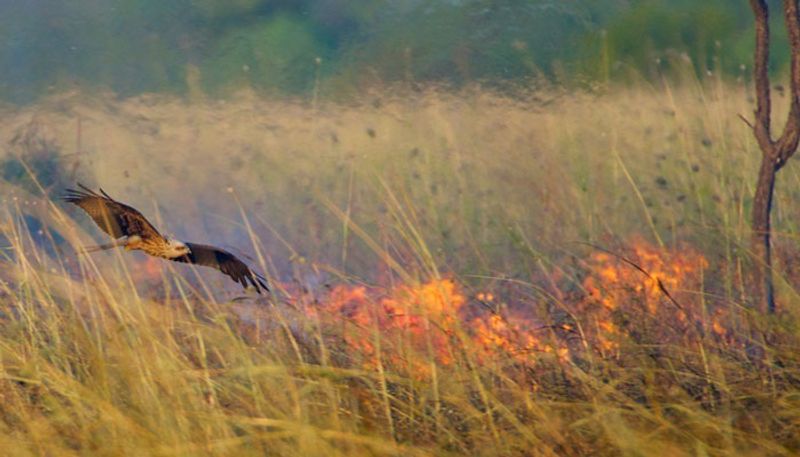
(405, 195)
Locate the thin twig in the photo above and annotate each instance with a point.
(744, 119)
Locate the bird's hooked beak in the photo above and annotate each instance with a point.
(180, 248)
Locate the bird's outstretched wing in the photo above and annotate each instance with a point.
(224, 261)
(115, 218)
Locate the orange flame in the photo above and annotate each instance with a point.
(616, 285)
(412, 329)
(423, 317)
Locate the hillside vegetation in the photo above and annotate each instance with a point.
(341, 46)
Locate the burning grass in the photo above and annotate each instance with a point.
(430, 298)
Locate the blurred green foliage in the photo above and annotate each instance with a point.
(275, 53)
(712, 35)
(135, 46)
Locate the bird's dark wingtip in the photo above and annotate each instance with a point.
(71, 195)
(87, 192)
(257, 281)
(74, 195)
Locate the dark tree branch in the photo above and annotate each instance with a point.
(761, 77)
(787, 144)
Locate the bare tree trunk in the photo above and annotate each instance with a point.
(774, 153)
(762, 203)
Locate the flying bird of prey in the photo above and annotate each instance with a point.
(133, 231)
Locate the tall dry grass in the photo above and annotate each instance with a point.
(434, 294)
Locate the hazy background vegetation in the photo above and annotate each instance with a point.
(136, 46)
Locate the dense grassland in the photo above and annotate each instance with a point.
(454, 273)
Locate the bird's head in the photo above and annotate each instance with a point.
(177, 249)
